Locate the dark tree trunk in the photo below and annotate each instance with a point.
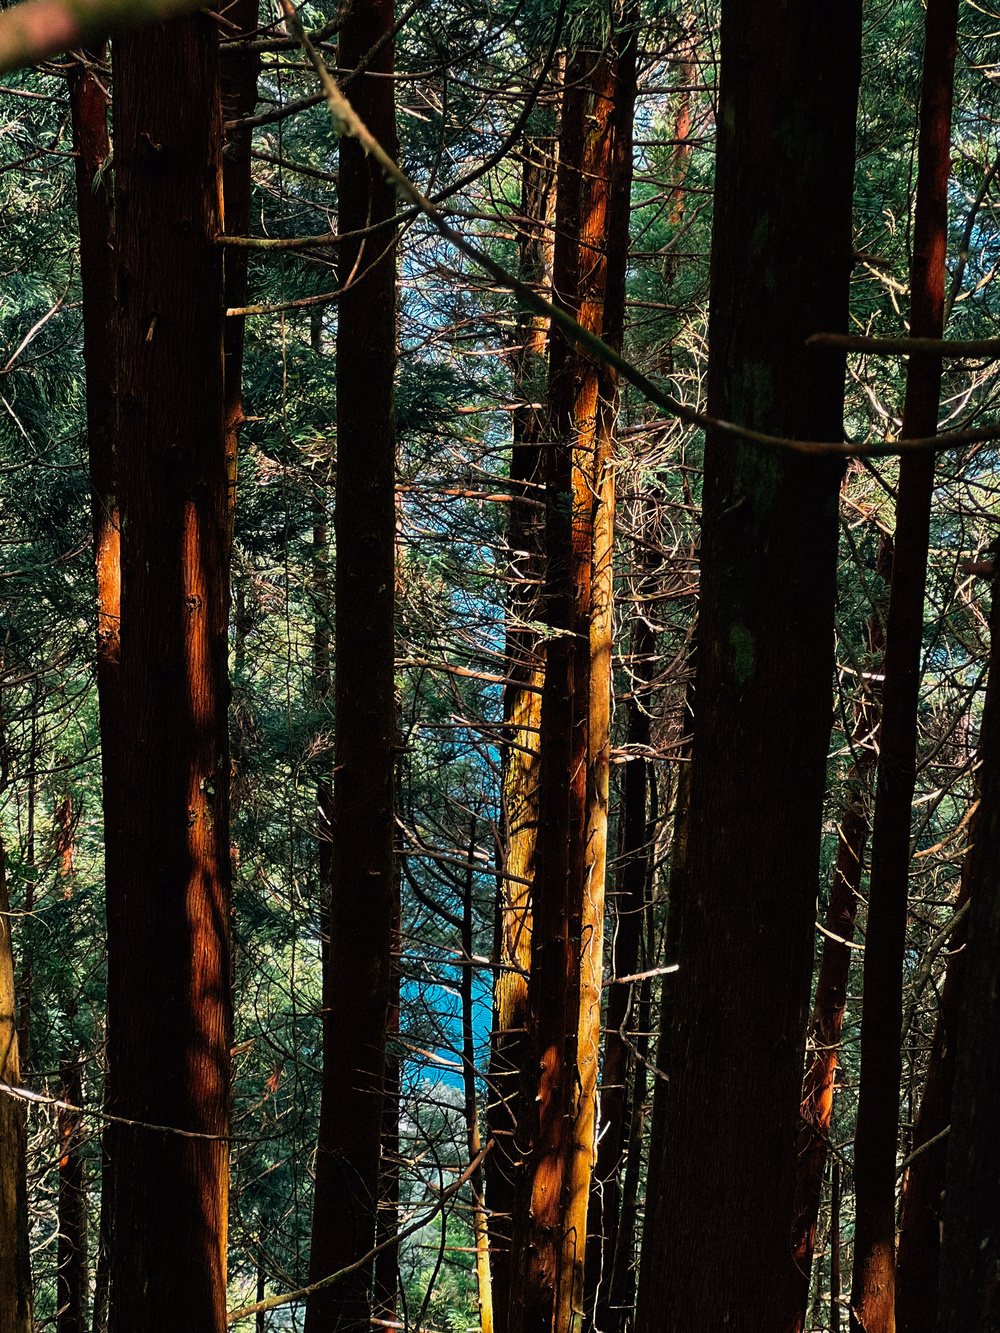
(15, 1261)
(918, 1250)
(877, 1130)
(781, 260)
(356, 978)
(71, 1263)
(169, 1014)
(823, 1037)
(970, 1249)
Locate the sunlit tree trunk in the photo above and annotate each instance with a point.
(169, 1014)
(15, 1263)
(568, 909)
(781, 261)
(877, 1130)
(525, 655)
(356, 978)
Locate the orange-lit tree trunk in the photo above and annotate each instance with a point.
(823, 1037)
(71, 1263)
(970, 1247)
(88, 106)
(15, 1262)
(525, 654)
(877, 1130)
(356, 978)
(169, 1014)
(604, 1199)
(781, 261)
(568, 908)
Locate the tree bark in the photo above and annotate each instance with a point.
(169, 1017)
(780, 271)
(356, 979)
(568, 909)
(525, 656)
(970, 1249)
(71, 1263)
(877, 1130)
(15, 1261)
(823, 1037)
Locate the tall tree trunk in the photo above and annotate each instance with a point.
(15, 1261)
(525, 656)
(970, 1249)
(918, 1252)
(823, 1037)
(604, 1199)
(169, 1014)
(877, 1130)
(71, 1263)
(568, 910)
(356, 979)
(89, 110)
(92, 145)
(781, 261)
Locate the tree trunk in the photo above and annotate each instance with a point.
(877, 1130)
(780, 271)
(970, 1249)
(169, 1014)
(823, 1037)
(568, 911)
(92, 145)
(918, 1252)
(356, 979)
(15, 1261)
(525, 656)
(605, 1198)
(71, 1264)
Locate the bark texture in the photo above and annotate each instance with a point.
(525, 654)
(877, 1130)
(568, 908)
(169, 1013)
(780, 271)
(356, 977)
